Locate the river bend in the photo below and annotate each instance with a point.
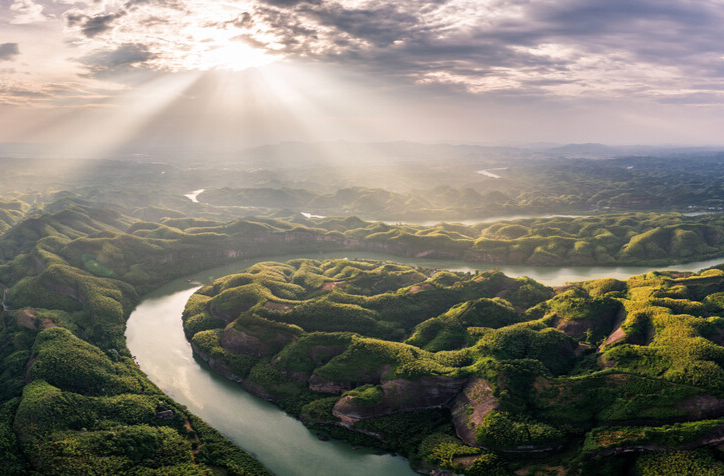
(155, 337)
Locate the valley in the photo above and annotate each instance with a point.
(328, 327)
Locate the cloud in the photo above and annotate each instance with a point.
(99, 23)
(606, 48)
(126, 59)
(77, 2)
(91, 26)
(380, 25)
(8, 51)
(28, 92)
(697, 98)
(284, 3)
(552, 48)
(26, 11)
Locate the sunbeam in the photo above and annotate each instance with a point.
(98, 132)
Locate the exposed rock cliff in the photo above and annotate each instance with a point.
(318, 384)
(219, 366)
(238, 341)
(470, 407)
(401, 395)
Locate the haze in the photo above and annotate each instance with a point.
(85, 78)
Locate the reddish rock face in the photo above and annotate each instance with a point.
(702, 406)
(318, 384)
(237, 341)
(26, 318)
(329, 285)
(401, 395)
(470, 407)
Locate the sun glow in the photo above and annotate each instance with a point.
(234, 56)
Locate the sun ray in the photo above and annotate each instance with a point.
(98, 132)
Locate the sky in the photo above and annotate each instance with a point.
(88, 77)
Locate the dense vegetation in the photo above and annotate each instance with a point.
(72, 400)
(581, 373)
(596, 369)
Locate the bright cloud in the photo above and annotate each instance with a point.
(26, 11)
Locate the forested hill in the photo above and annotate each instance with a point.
(623, 238)
(482, 374)
(72, 399)
(75, 264)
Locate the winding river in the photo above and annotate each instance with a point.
(155, 336)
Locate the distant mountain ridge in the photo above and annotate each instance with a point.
(367, 151)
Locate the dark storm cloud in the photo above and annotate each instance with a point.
(8, 51)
